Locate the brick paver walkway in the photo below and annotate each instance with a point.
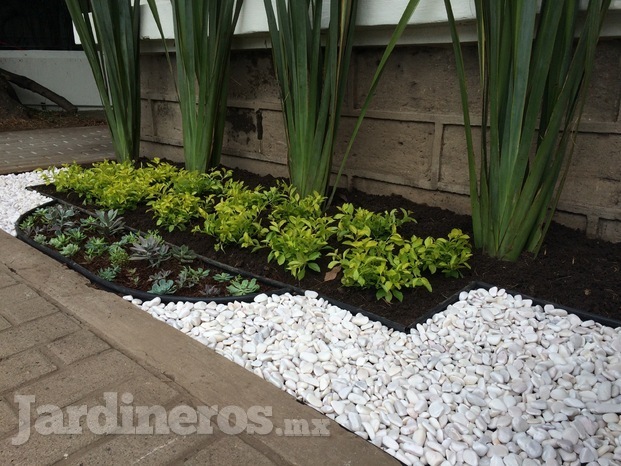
(26, 150)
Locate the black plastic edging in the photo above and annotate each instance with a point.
(358, 310)
(441, 307)
(110, 286)
(584, 315)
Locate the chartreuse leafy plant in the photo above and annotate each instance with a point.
(312, 74)
(377, 256)
(359, 221)
(235, 218)
(175, 210)
(287, 202)
(122, 186)
(449, 255)
(298, 241)
(111, 43)
(534, 78)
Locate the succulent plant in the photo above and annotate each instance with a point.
(223, 277)
(109, 273)
(190, 277)
(39, 238)
(58, 217)
(240, 287)
(151, 248)
(70, 249)
(28, 225)
(183, 254)
(161, 275)
(59, 241)
(108, 222)
(118, 255)
(95, 247)
(76, 235)
(162, 287)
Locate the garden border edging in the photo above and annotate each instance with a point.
(584, 315)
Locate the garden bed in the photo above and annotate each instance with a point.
(571, 270)
(190, 277)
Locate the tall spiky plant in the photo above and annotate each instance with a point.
(203, 35)
(313, 78)
(531, 69)
(111, 43)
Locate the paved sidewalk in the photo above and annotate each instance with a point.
(26, 150)
(67, 343)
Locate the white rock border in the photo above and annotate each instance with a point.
(492, 380)
(15, 200)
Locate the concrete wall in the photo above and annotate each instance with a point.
(412, 142)
(65, 72)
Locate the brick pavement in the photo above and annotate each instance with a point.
(26, 150)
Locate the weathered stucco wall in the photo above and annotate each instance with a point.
(412, 142)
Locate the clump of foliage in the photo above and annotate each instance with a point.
(377, 256)
(534, 78)
(235, 219)
(162, 287)
(151, 248)
(298, 242)
(239, 287)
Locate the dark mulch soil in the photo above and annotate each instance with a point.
(571, 269)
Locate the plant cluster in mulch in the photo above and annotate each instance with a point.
(571, 269)
(101, 244)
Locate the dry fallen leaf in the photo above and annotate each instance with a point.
(332, 274)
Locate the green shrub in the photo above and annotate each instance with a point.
(297, 242)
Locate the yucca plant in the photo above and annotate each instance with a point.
(203, 35)
(111, 44)
(312, 74)
(534, 77)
